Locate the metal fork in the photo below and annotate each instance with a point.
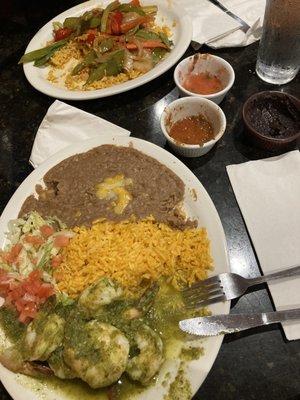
(243, 26)
(227, 286)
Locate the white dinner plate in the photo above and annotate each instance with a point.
(197, 204)
(169, 13)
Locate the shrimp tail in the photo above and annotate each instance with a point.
(12, 360)
(147, 299)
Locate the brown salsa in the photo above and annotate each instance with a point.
(202, 83)
(192, 130)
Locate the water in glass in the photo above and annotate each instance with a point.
(278, 58)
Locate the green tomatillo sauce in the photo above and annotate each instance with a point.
(163, 317)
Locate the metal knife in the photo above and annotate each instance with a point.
(221, 324)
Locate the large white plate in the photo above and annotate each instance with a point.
(200, 207)
(169, 13)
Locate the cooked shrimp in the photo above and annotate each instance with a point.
(42, 336)
(98, 353)
(101, 293)
(59, 367)
(146, 364)
(11, 358)
(144, 303)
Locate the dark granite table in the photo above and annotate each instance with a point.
(258, 364)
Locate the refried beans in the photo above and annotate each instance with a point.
(71, 189)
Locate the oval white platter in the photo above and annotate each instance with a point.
(169, 13)
(197, 204)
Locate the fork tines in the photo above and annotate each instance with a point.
(203, 293)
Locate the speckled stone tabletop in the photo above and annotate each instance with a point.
(258, 364)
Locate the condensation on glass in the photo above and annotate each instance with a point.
(278, 59)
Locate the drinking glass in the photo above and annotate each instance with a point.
(278, 57)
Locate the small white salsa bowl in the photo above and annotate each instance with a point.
(207, 63)
(187, 107)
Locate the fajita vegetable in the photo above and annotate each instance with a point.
(120, 41)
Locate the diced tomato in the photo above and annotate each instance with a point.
(25, 295)
(115, 22)
(35, 274)
(34, 260)
(28, 313)
(45, 290)
(62, 33)
(30, 309)
(13, 254)
(61, 241)
(90, 38)
(23, 317)
(35, 240)
(56, 261)
(46, 230)
(135, 3)
(29, 297)
(5, 283)
(20, 304)
(91, 34)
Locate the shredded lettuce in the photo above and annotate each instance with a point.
(32, 256)
(31, 223)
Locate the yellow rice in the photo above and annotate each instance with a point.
(63, 62)
(134, 254)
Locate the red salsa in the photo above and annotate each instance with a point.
(192, 130)
(202, 83)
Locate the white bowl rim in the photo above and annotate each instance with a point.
(194, 100)
(212, 95)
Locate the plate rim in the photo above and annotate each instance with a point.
(81, 147)
(65, 94)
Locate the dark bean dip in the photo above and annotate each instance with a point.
(274, 117)
(76, 193)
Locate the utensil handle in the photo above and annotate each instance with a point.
(281, 316)
(255, 320)
(231, 14)
(287, 273)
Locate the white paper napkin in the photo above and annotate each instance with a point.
(64, 125)
(210, 21)
(268, 194)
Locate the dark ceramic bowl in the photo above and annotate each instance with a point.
(255, 130)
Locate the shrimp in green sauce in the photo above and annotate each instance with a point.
(97, 352)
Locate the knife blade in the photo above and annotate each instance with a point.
(221, 324)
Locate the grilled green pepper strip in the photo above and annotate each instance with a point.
(44, 51)
(113, 66)
(96, 74)
(43, 60)
(131, 8)
(106, 45)
(150, 9)
(94, 22)
(111, 7)
(87, 15)
(164, 38)
(147, 35)
(158, 54)
(57, 25)
(131, 32)
(86, 62)
(72, 23)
